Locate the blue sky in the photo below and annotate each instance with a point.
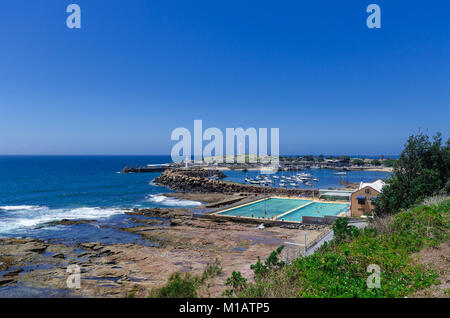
(138, 69)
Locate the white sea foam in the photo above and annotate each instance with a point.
(20, 207)
(168, 201)
(158, 165)
(22, 219)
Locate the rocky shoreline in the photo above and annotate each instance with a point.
(195, 181)
(180, 242)
(173, 240)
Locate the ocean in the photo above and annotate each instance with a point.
(36, 191)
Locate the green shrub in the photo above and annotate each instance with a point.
(236, 284)
(179, 286)
(375, 162)
(272, 262)
(212, 270)
(422, 170)
(342, 231)
(358, 162)
(186, 285)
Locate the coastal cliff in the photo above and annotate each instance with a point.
(197, 180)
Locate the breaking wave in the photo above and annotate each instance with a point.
(19, 207)
(15, 218)
(168, 201)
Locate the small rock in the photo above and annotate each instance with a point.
(88, 245)
(37, 247)
(13, 273)
(4, 281)
(59, 255)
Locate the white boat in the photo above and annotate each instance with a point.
(293, 184)
(315, 180)
(341, 173)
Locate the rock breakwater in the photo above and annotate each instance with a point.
(198, 181)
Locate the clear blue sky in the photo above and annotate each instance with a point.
(138, 69)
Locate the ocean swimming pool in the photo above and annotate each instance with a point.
(317, 209)
(285, 209)
(274, 207)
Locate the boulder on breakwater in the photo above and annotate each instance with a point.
(143, 169)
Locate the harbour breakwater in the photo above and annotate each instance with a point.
(198, 180)
(143, 169)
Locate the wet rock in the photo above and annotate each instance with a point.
(5, 281)
(73, 222)
(13, 273)
(59, 255)
(89, 245)
(35, 246)
(149, 221)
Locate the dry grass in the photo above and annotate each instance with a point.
(435, 200)
(437, 259)
(383, 224)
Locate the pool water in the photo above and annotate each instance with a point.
(316, 209)
(278, 207)
(274, 207)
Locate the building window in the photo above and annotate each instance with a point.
(361, 199)
(368, 191)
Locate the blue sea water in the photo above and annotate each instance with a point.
(35, 191)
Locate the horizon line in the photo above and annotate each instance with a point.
(168, 155)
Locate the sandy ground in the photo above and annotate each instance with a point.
(437, 259)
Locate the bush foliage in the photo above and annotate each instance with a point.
(422, 170)
(187, 285)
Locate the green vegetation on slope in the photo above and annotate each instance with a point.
(339, 269)
(187, 285)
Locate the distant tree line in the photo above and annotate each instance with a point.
(344, 159)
